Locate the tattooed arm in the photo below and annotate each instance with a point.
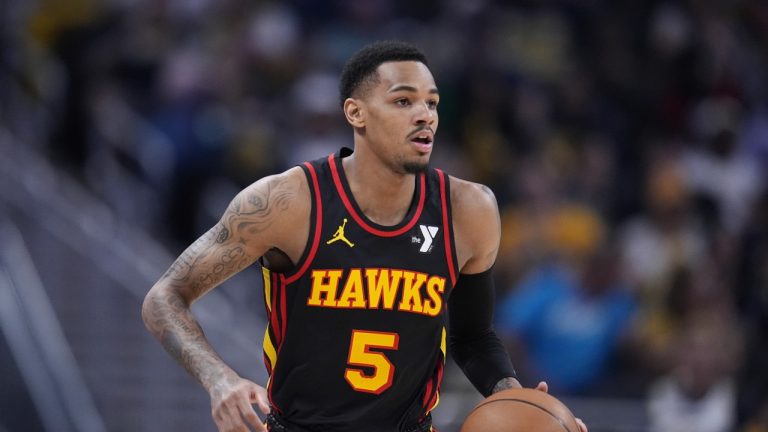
(273, 212)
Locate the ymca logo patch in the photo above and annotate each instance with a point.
(428, 234)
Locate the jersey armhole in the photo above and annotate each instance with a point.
(315, 225)
(448, 237)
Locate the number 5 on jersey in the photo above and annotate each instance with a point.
(361, 355)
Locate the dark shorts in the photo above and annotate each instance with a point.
(277, 424)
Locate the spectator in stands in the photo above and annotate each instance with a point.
(657, 247)
(752, 301)
(568, 318)
(699, 392)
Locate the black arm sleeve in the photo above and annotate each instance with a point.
(473, 343)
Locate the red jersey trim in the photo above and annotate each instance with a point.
(277, 325)
(360, 221)
(275, 316)
(318, 226)
(279, 316)
(446, 228)
(278, 308)
(283, 311)
(433, 400)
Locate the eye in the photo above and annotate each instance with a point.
(432, 104)
(403, 102)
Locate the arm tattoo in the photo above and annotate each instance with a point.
(255, 213)
(216, 255)
(488, 191)
(169, 318)
(206, 262)
(223, 235)
(222, 250)
(505, 384)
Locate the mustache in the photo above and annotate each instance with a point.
(421, 128)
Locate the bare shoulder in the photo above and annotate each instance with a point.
(476, 224)
(267, 212)
(467, 195)
(272, 192)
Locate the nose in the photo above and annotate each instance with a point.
(424, 114)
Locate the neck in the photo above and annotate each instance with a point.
(381, 193)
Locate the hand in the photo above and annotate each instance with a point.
(543, 386)
(232, 402)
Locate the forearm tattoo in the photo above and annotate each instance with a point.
(206, 262)
(169, 318)
(218, 254)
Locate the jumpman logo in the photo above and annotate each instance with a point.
(339, 235)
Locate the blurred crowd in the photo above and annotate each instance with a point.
(626, 142)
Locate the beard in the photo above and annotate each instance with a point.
(402, 163)
(415, 167)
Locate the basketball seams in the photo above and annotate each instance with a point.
(559, 420)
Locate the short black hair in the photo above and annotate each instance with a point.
(361, 68)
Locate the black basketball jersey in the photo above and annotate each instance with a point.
(356, 337)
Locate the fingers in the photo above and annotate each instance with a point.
(246, 411)
(260, 398)
(228, 419)
(234, 412)
(582, 426)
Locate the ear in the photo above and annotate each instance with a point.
(354, 112)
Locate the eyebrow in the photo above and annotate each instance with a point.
(405, 87)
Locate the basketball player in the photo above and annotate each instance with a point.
(363, 253)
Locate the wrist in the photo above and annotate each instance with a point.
(219, 378)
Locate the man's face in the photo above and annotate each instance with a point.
(401, 115)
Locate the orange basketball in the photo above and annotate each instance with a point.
(520, 410)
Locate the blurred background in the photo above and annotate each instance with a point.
(626, 142)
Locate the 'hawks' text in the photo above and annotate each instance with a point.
(375, 288)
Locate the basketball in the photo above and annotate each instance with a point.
(520, 410)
